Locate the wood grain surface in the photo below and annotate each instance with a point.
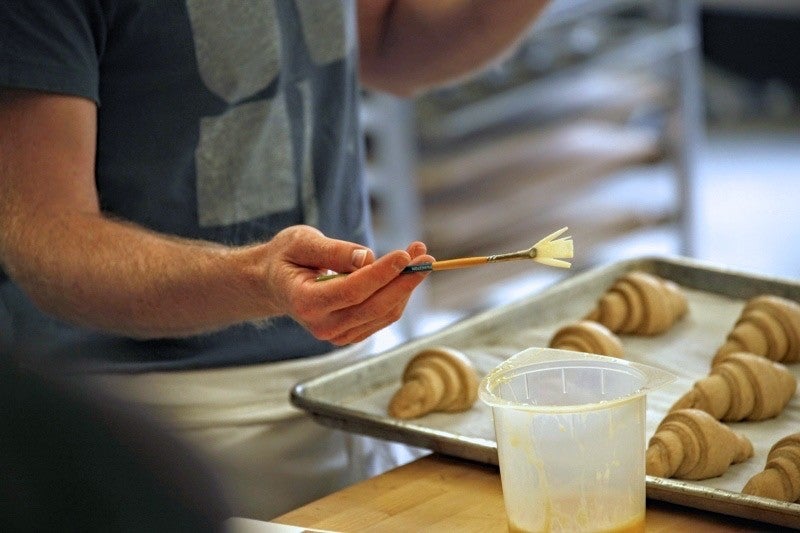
(440, 493)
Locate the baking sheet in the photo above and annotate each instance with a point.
(355, 398)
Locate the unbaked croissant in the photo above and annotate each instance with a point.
(640, 303)
(436, 379)
(589, 337)
(691, 444)
(780, 479)
(768, 326)
(742, 386)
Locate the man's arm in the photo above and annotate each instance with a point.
(410, 45)
(86, 268)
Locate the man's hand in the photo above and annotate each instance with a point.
(342, 310)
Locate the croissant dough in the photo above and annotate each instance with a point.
(768, 326)
(780, 479)
(742, 386)
(690, 444)
(640, 303)
(436, 379)
(589, 337)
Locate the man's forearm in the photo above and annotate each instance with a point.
(409, 45)
(117, 277)
(80, 266)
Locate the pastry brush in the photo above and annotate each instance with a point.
(550, 251)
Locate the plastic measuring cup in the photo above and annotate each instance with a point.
(570, 431)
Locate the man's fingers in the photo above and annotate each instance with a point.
(351, 323)
(372, 296)
(362, 283)
(415, 249)
(361, 329)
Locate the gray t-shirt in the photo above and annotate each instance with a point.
(224, 120)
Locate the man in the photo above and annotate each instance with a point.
(173, 177)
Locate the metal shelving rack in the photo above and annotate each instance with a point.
(631, 64)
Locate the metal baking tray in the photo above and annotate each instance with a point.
(355, 398)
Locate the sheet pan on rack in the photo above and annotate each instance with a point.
(355, 398)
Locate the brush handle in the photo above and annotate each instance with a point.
(421, 267)
(462, 262)
(447, 264)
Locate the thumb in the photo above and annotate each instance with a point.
(347, 257)
(322, 252)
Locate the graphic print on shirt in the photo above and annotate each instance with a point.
(324, 30)
(246, 158)
(327, 40)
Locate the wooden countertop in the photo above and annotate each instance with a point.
(441, 493)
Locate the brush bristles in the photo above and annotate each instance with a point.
(562, 249)
(554, 262)
(550, 251)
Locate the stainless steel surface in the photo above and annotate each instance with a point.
(354, 398)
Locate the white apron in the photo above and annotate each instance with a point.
(269, 456)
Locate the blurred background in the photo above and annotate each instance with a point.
(649, 127)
